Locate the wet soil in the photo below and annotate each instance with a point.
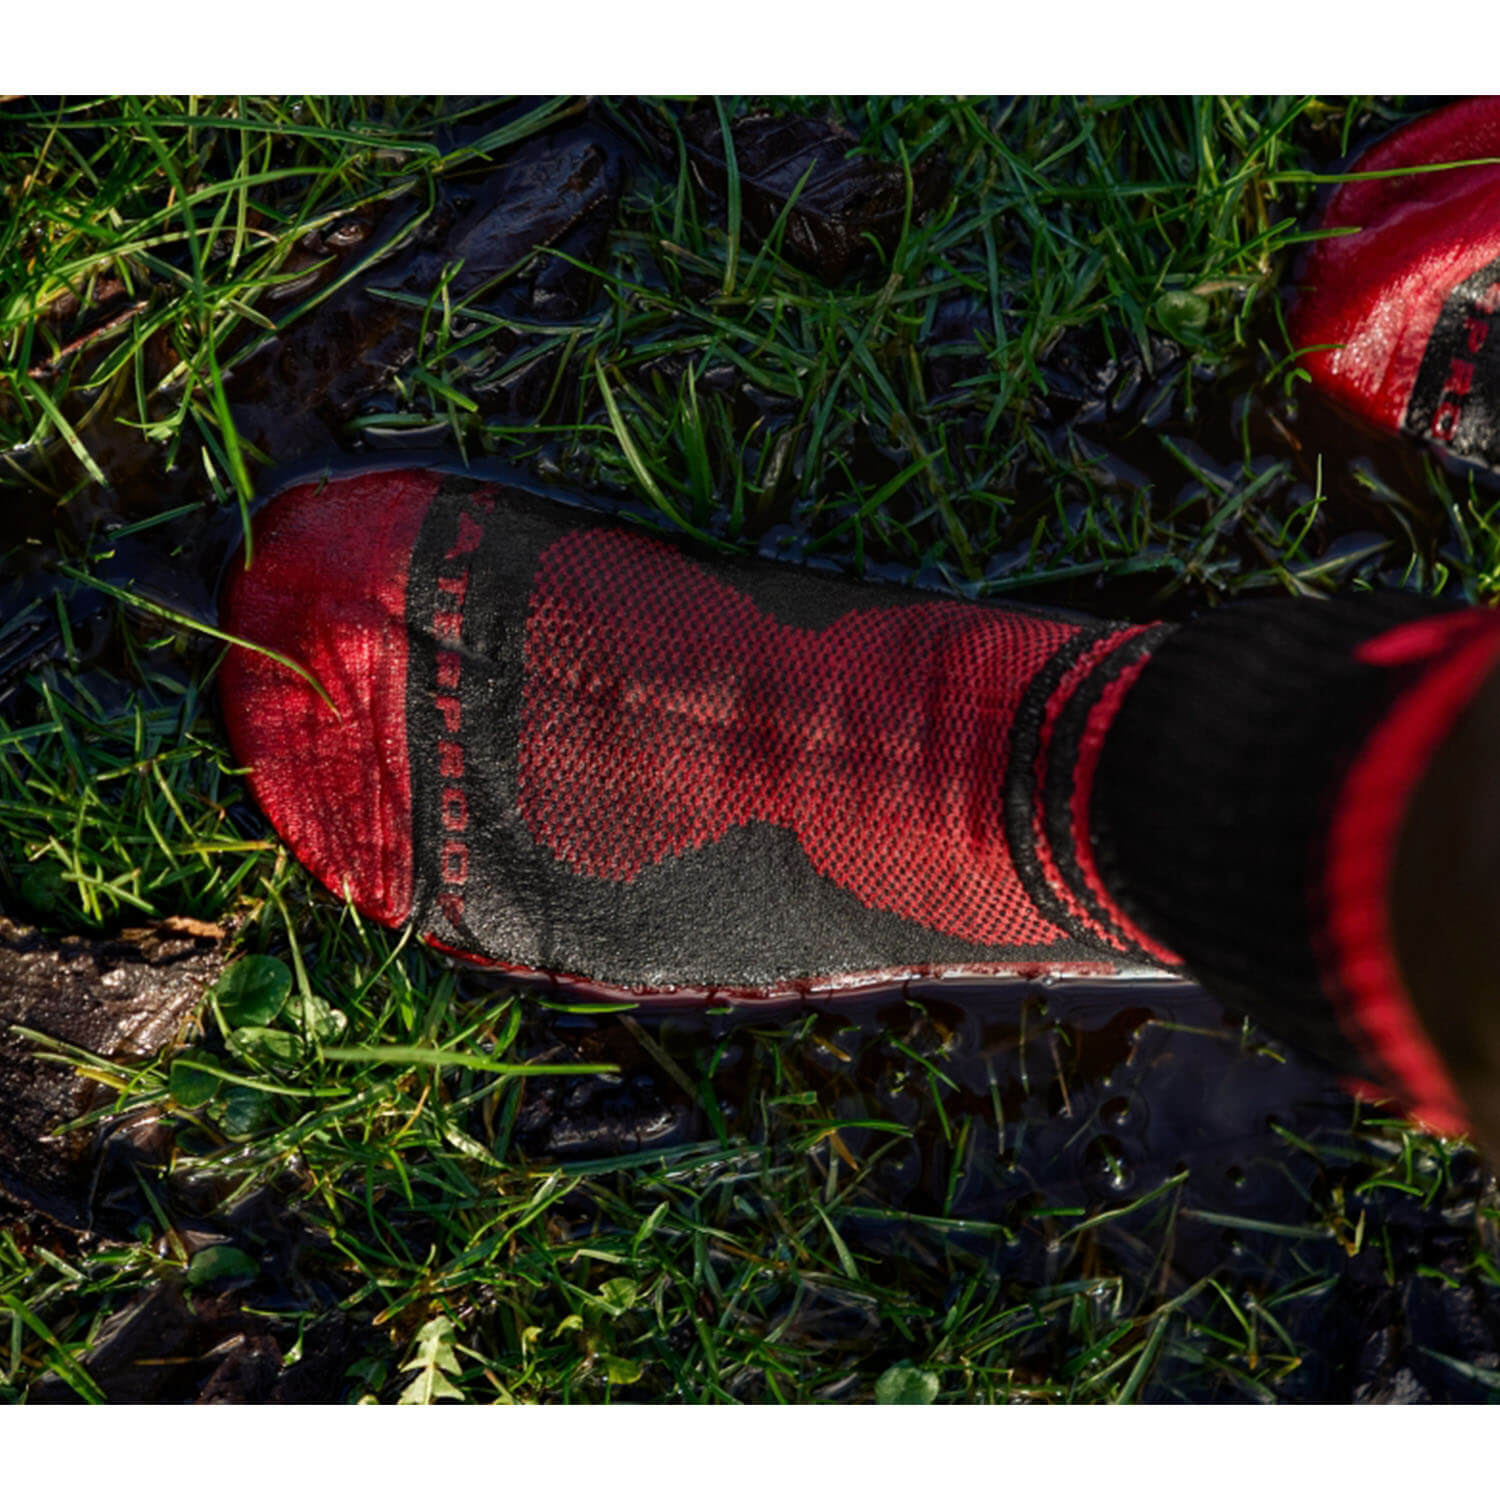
(1023, 1102)
(271, 1332)
(68, 1002)
(1118, 424)
(297, 394)
(1135, 1137)
(833, 209)
(174, 1345)
(1033, 1109)
(270, 1329)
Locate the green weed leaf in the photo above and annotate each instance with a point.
(434, 1361)
(220, 1263)
(265, 1045)
(1182, 315)
(616, 1296)
(321, 1021)
(903, 1385)
(190, 1086)
(619, 1371)
(246, 1112)
(252, 991)
(43, 889)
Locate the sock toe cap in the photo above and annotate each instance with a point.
(327, 588)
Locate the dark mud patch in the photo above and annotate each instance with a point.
(65, 1005)
(800, 176)
(507, 249)
(246, 1307)
(171, 1344)
(1132, 1144)
(71, 1011)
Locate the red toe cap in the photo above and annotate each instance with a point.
(327, 588)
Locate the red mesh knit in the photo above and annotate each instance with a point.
(328, 590)
(663, 708)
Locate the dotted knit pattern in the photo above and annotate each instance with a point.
(663, 708)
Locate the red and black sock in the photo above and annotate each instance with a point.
(567, 746)
(563, 745)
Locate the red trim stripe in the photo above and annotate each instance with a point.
(1059, 699)
(1091, 746)
(1368, 986)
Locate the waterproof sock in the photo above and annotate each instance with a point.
(1400, 318)
(564, 746)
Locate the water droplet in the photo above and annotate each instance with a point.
(1104, 1164)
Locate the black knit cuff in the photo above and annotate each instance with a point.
(1215, 790)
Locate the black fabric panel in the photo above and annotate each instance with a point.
(1216, 786)
(1061, 774)
(1455, 399)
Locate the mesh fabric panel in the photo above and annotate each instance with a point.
(663, 708)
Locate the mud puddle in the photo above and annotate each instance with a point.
(1133, 1139)
(176, 1345)
(313, 390)
(246, 1307)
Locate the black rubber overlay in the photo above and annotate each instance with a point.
(1455, 400)
(747, 911)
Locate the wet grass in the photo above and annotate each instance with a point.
(1068, 380)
